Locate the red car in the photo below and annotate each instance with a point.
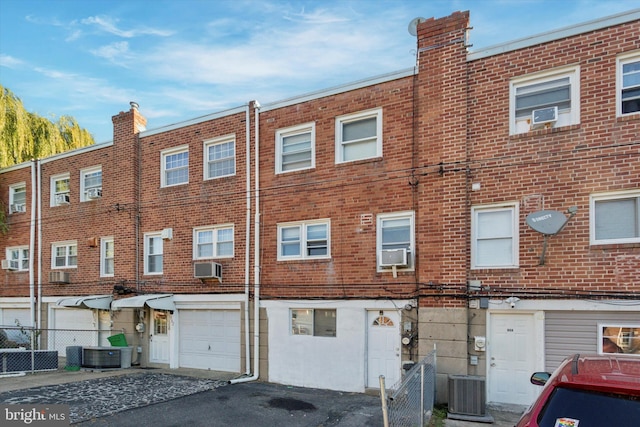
(588, 391)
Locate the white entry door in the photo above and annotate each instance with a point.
(383, 347)
(159, 338)
(512, 359)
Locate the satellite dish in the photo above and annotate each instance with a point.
(546, 222)
(413, 25)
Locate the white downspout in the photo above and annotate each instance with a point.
(256, 231)
(32, 240)
(247, 249)
(39, 240)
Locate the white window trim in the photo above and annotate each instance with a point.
(83, 174)
(303, 239)
(353, 118)
(163, 156)
(148, 236)
(573, 72)
(292, 131)
(411, 257)
(54, 179)
(620, 61)
(67, 244)
(20, 259)
(12, 191)
(205, 155)
(592, 216)
(313, 323)
(514, 207)
(603, 325)
(214, 229)
(103, 255)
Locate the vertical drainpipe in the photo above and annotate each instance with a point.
(38, 202)
(32, 238)
(256, 231)
(247, 248)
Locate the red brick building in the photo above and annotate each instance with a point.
(484, 202)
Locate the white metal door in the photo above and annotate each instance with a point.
(159, 337)
(512, 351)
(383, 347)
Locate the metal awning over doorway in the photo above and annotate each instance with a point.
(100, 302)
(155, 301)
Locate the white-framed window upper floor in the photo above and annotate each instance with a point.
(17, 258)
(153, 253)
(546, 99)
(495, 236)
(107, 257)
(91, 183)
(220, 157)
(314, 321)
(18, 198)
(359, 136)
(64, 254)
(174, 166)
(304, 240)
(60, 190)
(213, 242)
(628, 84)
(619, 338)
(614, 217)
(395, 241)
(296, 148)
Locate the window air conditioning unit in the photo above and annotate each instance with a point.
(94, 193)
(167, 234)
(58, 277)
(62, 199)
(391, 257)
(467, 395)
(207, 270)
(544, 115)
(9, 264)
(18, 207)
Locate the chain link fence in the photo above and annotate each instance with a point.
(27, 349)
(411, 401)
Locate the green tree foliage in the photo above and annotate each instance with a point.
(25, 136)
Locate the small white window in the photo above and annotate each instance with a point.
(107, 254)
(396, 240)
(18, 257)
(213, 242)
(558, 89)
(64, 255)
(615, 218)
(220, 157)
(359, 136)
(60, 192)
(153, 253)
(18, 198)
(619, 338)
(494, 234)
(175, 166)
(628, 82)
(295, 148)
(91, 183)
(313, 321)
(304, 240)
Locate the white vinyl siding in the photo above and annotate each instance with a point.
(494, 231)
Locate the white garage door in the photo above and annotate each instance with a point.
(72, 327)
(210, 339)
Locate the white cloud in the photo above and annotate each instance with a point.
(108, 25)
(116, 52)
(10, 62)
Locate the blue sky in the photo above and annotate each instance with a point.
(183, 59)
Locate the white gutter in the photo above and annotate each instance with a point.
(247, 249)
(256, 274)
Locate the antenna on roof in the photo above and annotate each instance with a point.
(413, 25)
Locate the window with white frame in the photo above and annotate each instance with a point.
(91, 183)
(107, 254)
(619, 338)
(153, 253)
(304, 240)
(18, 198)
(213, 242)
(18, 258)
(628, 82)
(313, 321)
(535, 100)
(359, 136)
(60, 191)
(295, 148)
(615, 217)
(494, 236)
(220, 157)
(64, 255)
(175, 166)
(395, 240)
